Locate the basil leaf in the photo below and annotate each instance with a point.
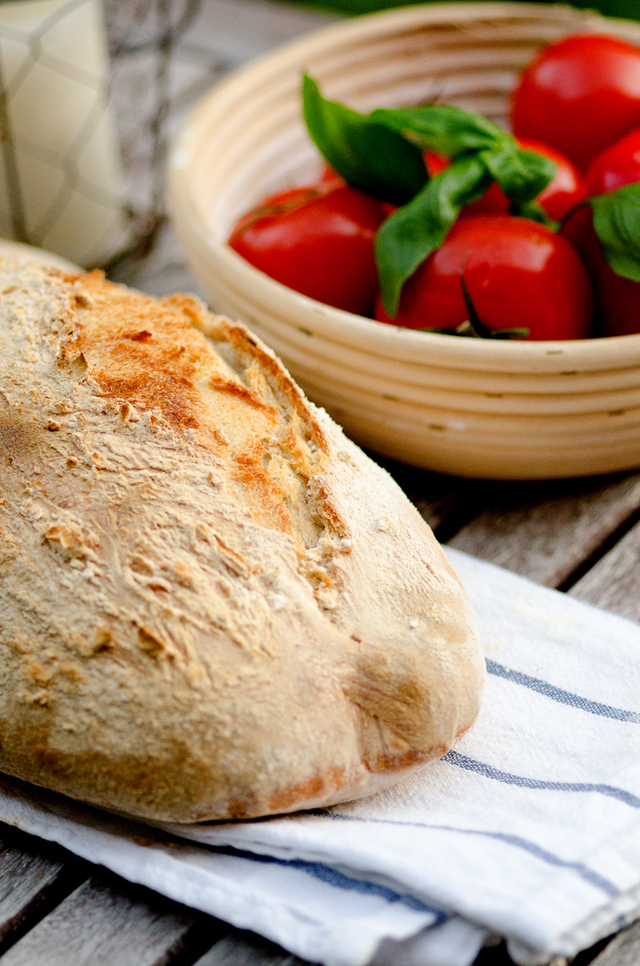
(369, 155)
(616, 220)
(533, 211)
(522, 175)
(453, 132)
(414, 231)
(443, 128)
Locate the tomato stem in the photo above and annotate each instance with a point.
(474, 327)
(568, 215)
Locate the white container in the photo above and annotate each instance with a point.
(61, 185)
(464, 406)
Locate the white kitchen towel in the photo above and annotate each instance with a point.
(528, 829)
(312, 910)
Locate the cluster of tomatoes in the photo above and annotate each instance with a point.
(578, 104)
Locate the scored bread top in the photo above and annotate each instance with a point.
(213, 604)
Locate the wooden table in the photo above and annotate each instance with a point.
(579, 536)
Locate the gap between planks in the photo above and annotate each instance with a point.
(34, 878)
(106, 920)
(550, 532)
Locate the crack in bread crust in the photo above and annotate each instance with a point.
(149, 356)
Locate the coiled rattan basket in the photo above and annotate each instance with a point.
(463, 406)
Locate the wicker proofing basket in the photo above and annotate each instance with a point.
(473, 408)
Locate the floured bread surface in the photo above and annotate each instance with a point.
(212, 604)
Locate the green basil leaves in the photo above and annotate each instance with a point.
(447, 130)
(521, 174)
(414, 231)
(381, 154)
(616, 221)
(369, 155)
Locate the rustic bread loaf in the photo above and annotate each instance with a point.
(212, 604)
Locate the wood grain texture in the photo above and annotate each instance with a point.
(622, 950)
(246, 949)
(99, 926)
(34, 877)
(546, 531)
(24, 876)
(613, 582)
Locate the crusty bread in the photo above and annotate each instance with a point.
(212, 604)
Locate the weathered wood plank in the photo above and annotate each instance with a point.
(24, 877)
(246, 949)
(102, 925)
(614, 582)
(34, 877)
(547, 530)
(622, 950)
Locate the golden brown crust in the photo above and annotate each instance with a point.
(214, 606)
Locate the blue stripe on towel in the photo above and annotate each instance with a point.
(589, 875)
(560, 695)
(488, 771)
(339, 880)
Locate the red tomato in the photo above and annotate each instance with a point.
(579, 94)
(617, 298)
(561, 194)
(565, 188)
(318, 241)
(616, 166)
(518, 273)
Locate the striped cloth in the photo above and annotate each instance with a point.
(529, 829)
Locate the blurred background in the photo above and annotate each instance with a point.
(120, 100)
(164, 55)
(612, 8)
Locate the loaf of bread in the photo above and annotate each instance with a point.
(212, 604)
